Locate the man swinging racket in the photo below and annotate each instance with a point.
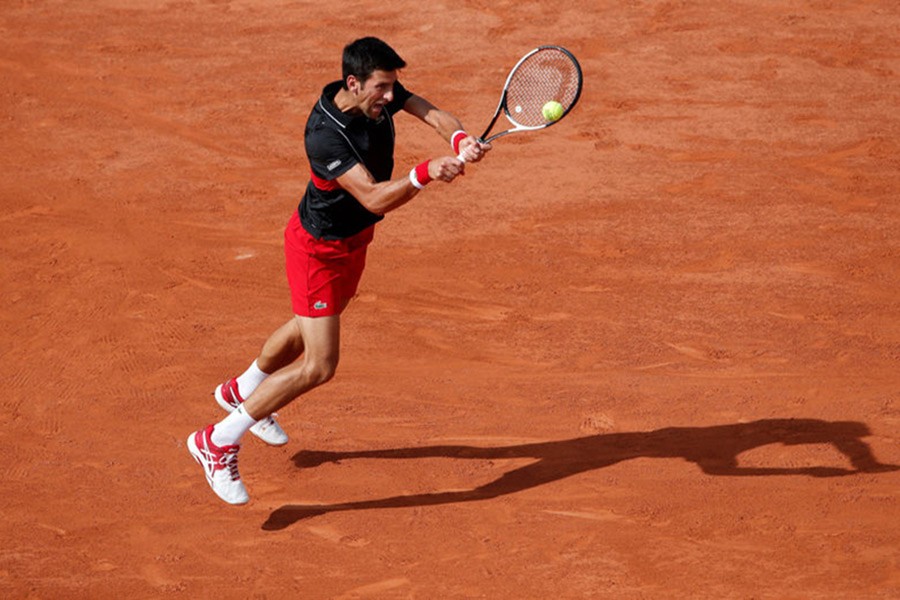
(349, 141)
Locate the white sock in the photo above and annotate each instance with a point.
(232, 428)
(250, 380)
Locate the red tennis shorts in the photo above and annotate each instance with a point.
(323, 274)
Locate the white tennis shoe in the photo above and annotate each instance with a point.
(220, 465)
(268, 430)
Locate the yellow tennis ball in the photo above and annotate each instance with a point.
(552, 111)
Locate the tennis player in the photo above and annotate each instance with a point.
(349, 142)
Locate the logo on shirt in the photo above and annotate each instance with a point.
(334, 164)
(320, 305)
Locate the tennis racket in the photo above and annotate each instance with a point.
(546, 74)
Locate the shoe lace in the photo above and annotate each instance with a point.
(269, 421)
(229, 460)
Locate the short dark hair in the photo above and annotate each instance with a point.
(367, 55)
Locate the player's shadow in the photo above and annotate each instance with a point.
(714, 449)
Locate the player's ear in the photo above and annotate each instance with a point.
(353, 84)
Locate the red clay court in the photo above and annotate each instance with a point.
(652, 352)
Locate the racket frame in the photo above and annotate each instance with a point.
(502, 106)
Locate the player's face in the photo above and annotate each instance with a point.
(375, 93)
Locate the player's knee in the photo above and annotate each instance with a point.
(322, 370)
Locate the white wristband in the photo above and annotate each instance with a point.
(415, 180)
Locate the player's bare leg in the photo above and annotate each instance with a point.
(321, 351)
(216, 447)
(282, 348)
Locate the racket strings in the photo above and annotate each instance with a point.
(547, 75)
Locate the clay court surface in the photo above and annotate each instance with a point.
(651, 352)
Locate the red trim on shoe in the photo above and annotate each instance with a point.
(221, 455)
(231, 394)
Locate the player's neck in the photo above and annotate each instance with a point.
(346, 102)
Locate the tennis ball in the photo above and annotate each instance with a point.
(552, 111)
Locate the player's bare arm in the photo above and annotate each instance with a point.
(446, 125)
(381, 198)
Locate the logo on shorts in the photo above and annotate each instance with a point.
(320, 305)
(334, 164)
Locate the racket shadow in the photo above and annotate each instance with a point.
(714, 450)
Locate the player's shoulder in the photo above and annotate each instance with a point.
(401, 95)
(321, 126)
(400, 88)
(324, 118)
